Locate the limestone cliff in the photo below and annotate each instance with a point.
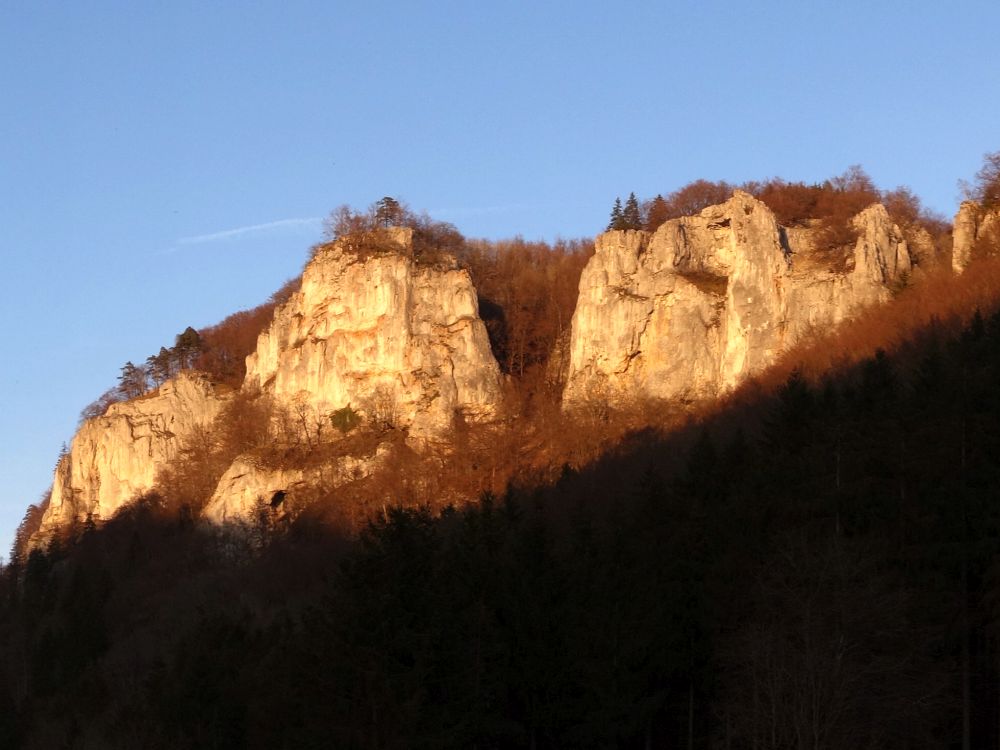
(686, 312)
(706, 300)
(396, 340)
(972, 223)
(114, 458)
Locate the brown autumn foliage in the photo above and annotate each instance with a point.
(829, 206)
(987, 244)
(685, 201)
(226, 345)
(943, 300)
(30, 523)
(527, 295)
(98, 407)
(985, 189)
(794, 203)
(243, 427)
(834, 203)
(433, 241)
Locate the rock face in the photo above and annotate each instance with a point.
(707, 300)
(115, 457)
(971, 224)
(247, 487)
(396, 340)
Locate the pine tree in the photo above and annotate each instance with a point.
(187, 347)
(616, 216)
(631, 216)
(388, 212)
(132, 381)
(159, 366)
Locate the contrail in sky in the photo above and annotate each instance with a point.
(238, 231)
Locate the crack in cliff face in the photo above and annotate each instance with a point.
(625, 293)
(638, 345)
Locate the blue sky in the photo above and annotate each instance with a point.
(163, 165)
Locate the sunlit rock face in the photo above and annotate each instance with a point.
(707, 300)
(972, 223)
(249, 488)
(396, 340)
(115, 457)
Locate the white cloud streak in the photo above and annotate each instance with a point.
(251, 229)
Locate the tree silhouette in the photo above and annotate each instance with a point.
(388, 212)
(631, 215)
(617, 217)
(132, 381)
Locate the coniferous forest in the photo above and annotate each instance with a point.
(814, 566)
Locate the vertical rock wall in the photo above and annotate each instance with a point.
(707, 300)
(394, 339)
(115, 457)
(972, 223)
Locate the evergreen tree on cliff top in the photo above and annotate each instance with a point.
(389, 212)
(617, 220)
(187, 347)
(631, 216)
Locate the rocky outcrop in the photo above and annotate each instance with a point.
(395, 339)
(972, 223)
(115, 457)
(249, 487)
(707, 300)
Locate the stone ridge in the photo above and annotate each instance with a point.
(686, 312)
(691, 310)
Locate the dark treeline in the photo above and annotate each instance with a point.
(816, 568)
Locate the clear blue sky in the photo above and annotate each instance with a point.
(165, 164)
